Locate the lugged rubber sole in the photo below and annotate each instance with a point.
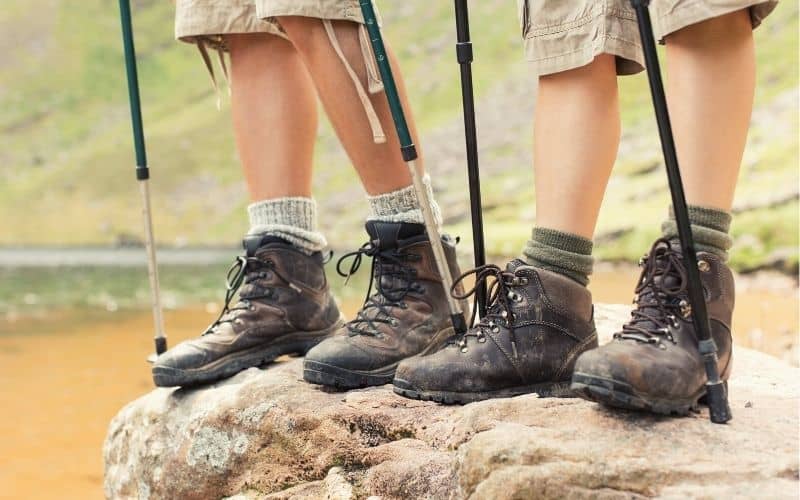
(544, 390)
(318, 373)
(618, 394)
(293, 345)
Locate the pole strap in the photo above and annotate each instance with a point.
(374, 82)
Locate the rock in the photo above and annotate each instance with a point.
(265, 434)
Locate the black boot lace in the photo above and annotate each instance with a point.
(395, 279)
(661, 297)
(500, 298)
(250, 272)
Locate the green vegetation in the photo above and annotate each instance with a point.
(66, 174)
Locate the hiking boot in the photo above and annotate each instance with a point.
(536, 325)
(653, 363)
(284, 307)
(407, 315)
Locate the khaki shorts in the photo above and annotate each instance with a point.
(566, 34)
(208, 20)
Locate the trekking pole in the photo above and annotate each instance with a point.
(716, 392)
(409, 152)
(465, 56)
(142, 174)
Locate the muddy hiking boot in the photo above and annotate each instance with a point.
(653, 363)
(537, 323)
(284, 307)
(407, 314)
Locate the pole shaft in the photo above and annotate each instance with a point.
(409, 153)
(720, 412)
(152, 266)
(142, 172)
(464, 54)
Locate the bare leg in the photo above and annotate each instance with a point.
(380, 166)
(710, 93)
(274, 112)
(576, 138)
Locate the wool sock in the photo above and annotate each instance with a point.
(567, 254)
(710, 229)
(293, 219)
(402, 205)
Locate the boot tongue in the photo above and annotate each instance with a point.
(253, 242)
(388, 235)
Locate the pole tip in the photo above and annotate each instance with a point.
(161, 345)
(717, 397)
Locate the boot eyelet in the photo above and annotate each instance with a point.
(686, 308)
(482, 339)
(495, 330)
(504, 314)
(704, 266)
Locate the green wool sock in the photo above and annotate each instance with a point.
(563, 253)
(710, 229)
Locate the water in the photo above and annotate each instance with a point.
(66, 373)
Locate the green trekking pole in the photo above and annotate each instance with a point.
(409, 152)
(142, 174)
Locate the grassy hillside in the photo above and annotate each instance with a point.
(66, 174)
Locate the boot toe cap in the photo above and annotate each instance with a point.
(340, 351)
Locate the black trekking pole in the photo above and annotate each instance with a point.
(716, 392)
(142, 174)
(409, 152)
(465, 56)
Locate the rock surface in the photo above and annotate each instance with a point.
(265, 434)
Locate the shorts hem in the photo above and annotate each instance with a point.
(697, 11)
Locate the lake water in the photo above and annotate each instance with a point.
(66, 374)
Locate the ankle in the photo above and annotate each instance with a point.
(403, 205)
(563, 253)
(710, 229)
(293, 219)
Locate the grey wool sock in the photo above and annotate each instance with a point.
(292, 218)
(402, 205)
(567, 254)
(710, 229)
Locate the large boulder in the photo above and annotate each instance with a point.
(266, 434)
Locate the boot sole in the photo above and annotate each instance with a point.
(318, 373)
(295, 344)
(618, 394)
(545, 390)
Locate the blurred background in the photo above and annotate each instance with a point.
(75, 324)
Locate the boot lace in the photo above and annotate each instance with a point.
(500, 298)
(661, 297)
(247, 271)
(377, 309)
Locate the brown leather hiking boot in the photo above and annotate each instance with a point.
(407, 315)
(653, 364)
(537, 323)
(284, 307)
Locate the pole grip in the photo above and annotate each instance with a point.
(142, 171)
